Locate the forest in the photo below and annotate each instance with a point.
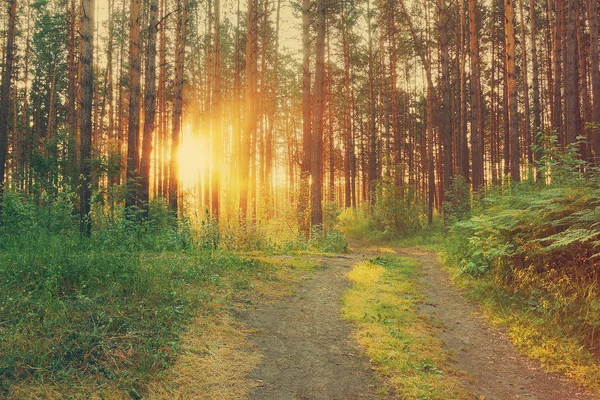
(165, 161)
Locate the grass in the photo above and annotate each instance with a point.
(403, 344)
(81, 317)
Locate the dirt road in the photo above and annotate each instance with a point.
(309, 352)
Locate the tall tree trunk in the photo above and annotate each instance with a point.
(133, 132)
(316, 169)
(347, 112)
(183, 6)
(584, 94)
(476, 100)
(572, 105)
(162, 107)
(463, 49)
(511, 79)
(72, 95)
(446, 101)
(217, 134)
(5, 88)
(525, 72)
(537, 119)
(251, 116)
(87, 88)
(593, 12)
(149, 106)
(371, 127)
(305, 167)
(559, 31)
(272, 116)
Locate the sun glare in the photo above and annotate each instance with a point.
(194, 157)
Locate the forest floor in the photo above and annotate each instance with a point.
(308, 351)
(287, 339)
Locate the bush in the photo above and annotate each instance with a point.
(542, 244)
(397, 213)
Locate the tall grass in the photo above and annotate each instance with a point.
(107, 307)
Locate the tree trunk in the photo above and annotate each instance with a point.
(87, 88)
(347, 113)
(593, 12)
(133, 132)
(525, 72)
(251, 107)
(182, 6)
(305, 167)
(572, 108)
(316, 169)
(511, 83)
(559, 32)
(217, 134)
(5, 88)
(149, 107)
(446, 101)
(371, 130)
(476, 97)
(537, 119)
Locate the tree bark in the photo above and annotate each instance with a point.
(250, 123)
(133, 132)
(446, 94)
(183, 6)
(525, 74)
(511, 83)
(371, 130)
(217, 134)
(476, 100)
(593, 12)
(316, 169)
(87, 89)
(537, 118)
(149, 107)
(305, 167)
(557, 119)
(572, 108)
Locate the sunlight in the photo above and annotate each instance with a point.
(194, 157)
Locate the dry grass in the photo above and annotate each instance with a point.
(213, 364)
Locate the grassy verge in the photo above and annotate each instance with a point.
(383, 303)
(78, 319)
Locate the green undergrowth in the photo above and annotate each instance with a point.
(94, 316)
(79, 315)
(403, 344)
(366, 225)
(531, 256)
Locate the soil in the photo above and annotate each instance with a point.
(309, 352)
(495, 369)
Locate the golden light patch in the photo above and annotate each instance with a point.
(216, 357)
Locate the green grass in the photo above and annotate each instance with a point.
(403, 344)
(75, 311)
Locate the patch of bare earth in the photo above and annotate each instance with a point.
(496, 370)
(308, 349)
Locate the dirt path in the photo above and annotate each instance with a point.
(309, 352)
(496, 370)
